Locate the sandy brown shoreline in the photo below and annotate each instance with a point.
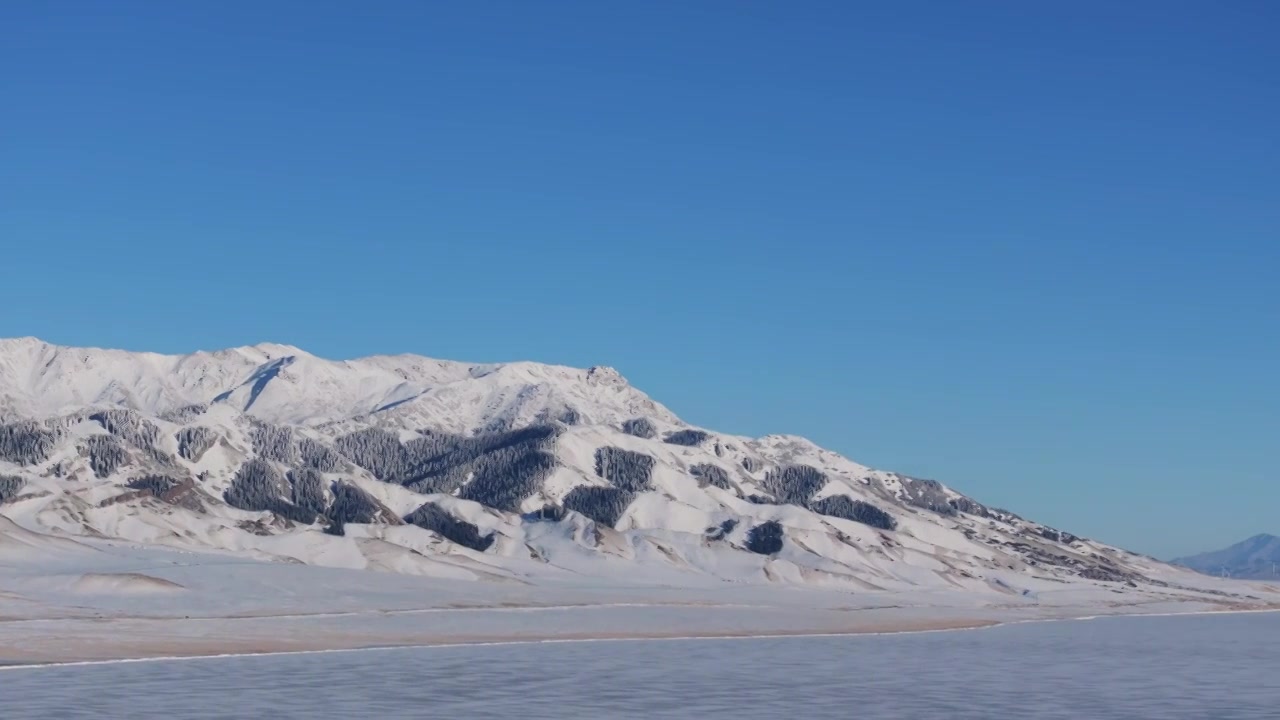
(178, 650)
(113, 643)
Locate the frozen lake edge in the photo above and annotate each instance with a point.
(1179, 666)
(941, 625)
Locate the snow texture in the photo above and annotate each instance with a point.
(514, 473)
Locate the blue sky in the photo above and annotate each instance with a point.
(1029, 249)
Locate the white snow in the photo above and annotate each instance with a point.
(73, 543)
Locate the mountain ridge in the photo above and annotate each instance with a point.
(41, 380)
(1256, 558)
(516, 471)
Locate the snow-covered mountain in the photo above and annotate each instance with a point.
(507, 472)
(1257, 558)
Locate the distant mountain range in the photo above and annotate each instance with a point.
(512, 471)
(1257, 558)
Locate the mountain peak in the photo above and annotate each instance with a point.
(275, 350)
(1257, 557)
(25, 340)
(27, 344)
(605, 375)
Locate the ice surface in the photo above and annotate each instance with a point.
(1195, 667)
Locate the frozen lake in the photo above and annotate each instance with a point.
(1221, 666)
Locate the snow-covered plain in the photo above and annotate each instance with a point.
(171, 505)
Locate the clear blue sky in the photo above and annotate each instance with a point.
(1029, 249)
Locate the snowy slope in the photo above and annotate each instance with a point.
(510, 473)
(282, 384)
